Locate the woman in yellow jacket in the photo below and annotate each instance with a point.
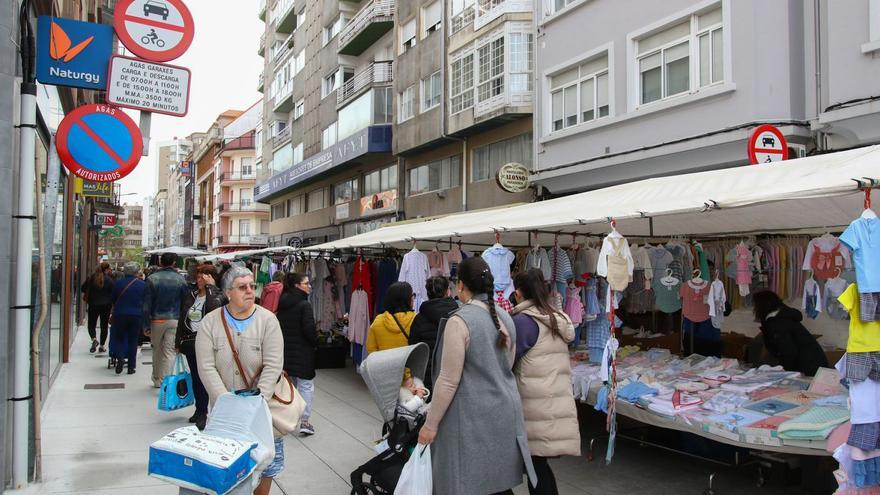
(391, 328)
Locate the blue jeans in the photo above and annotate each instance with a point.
(307, 389)
(124, 338)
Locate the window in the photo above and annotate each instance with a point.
(431, 91)
(334, 81)
(407, 104)
(328, 136)
(247, 166)
(380, 180)
(521, 62)
(561, 4)
(440, 174)
(580, 94)
(246, 196)
(408, 35)
(244, 227)
(279, 210)
(461, 87)
(431, 18)
(298, 61)
(299, 109)
(345, 191)
(458, 6)
(488, 159)
(295, 205)
(491, 69)
(316, 199)
(664, 58)
(333, 29)
(298, 154)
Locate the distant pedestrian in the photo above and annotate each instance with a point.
(300, 340)
(256, 336)
(196, 303)
(543, 377)
(97, 293)
(128, 318)
(165, 288)
(427, 323)
(391, 328)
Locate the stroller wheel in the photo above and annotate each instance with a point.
(111, 363)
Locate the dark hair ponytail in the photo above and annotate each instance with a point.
(474, 273)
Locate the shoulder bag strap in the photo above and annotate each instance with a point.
(405, 334)
(125, 289)
(234, 350)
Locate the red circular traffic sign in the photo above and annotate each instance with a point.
(157, 30)
(99, 143)
(767, 145)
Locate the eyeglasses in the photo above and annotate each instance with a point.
(245, 287)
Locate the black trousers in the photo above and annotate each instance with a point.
(546, 480)
(102, 312)
(188, 349)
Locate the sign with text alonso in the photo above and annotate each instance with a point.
(373, 139)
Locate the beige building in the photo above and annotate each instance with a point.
(171, 177)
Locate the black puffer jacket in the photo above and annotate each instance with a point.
(426, 324)
(300, 333)
(214, 298)
(99, 296)
(786, 338)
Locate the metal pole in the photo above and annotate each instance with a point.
(24, 227)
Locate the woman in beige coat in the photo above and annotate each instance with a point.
(543, 376)
(257, 337)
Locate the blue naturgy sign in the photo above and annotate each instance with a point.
(73, 53)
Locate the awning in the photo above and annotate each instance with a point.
(178, 250)
(248, 253)
(813, 193)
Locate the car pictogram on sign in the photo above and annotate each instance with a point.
(156, 7)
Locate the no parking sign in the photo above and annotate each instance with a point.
(157, 30)
(99, 143)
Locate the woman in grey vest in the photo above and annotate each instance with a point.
(476, 420)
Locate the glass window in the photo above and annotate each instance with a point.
(247, 166)
(299, 109)
(491, 70)
(407, 104)
(521, 61)
(345, 191)
(298, 154)
(331, 30)
(381, 180)
(488, 159)
(461, 83)
(279, 210)
(328, 136)
(677, 66)
(431, 16)
(295, 205)
(408, 35)
(244, 227)
(434, 176)
(431, 91)
(649, 69)
(580, 94)
(561, 4)
(316, 199)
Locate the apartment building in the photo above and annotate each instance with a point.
(662, 88)
(171, 175)
(127, 245)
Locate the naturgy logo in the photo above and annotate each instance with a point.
(60, 49)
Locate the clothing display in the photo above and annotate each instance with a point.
(869, 306)
(695, 297)
(743, 269)
(863, 336)
(499, 259)
(825, 255)
(438, 263)
(812, 300)
(562, 270)
(359, 317)
(667, 294)
(415, 270)
(453, 258)
(538, 259)
(717, 302)
(863, 238)
(615, 261)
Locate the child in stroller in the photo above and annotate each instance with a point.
(402, 408)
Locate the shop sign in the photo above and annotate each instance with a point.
(342, 211)
(73, 53)
(513, 177)
(105, 220)
(186, 168)
(379, 203)
(157, 30)
(148, 86)
(96, 189)
(767, 145)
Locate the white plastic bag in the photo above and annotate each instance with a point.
(244, 418)
(416, 477)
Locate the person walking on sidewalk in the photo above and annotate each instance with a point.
(128, 317)
(300, 340)
(97, 293)
(427, 323)
(165, 289)
(543, 376)
(197, 302)
(258, 361)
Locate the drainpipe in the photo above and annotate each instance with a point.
(445, 105)
(817, 31)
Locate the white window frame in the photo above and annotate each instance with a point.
(873, 43)
(299, 108)
(431, 91)
(330, 135)
(407, 40)
(452, 164)
(379, 173)
(333, 29)
(407, 104)
(352, 187)
(314, 193)
(338, 77)
(244, 222)
(633, 57)
(428, 29)
(466, 92)
(575, 85)
(495, 82)
(296, 205)
(297, 154)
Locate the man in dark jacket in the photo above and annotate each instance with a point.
(300, 340)
(427, 323)
(165, 288)
(785, 337)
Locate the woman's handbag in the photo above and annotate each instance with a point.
(286, 406)
(177, 389)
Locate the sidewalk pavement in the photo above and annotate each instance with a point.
(96, 441)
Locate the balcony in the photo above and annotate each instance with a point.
(243, 240)
(283, 101)
(285, 18)
(377, 74)
(231, 175)
(260, 83)
(243, 142)
(261, 50)
(367, 26)
(462, 20)
(281, 137)
(244, 207)
(261, 13)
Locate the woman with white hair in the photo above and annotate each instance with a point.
(256, 336)
(128, 317)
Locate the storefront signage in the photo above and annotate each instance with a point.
(513, 177)
(148, 86)
(73, 53)
(767, 145)
(186, 168)
(342, 211)
(374, 139)
(379, 203)
(99, 143)
(105, 220)
(157, 30)
(96, 189)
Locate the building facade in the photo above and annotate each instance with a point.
(123, 243)
(173, 176)
(675, 87)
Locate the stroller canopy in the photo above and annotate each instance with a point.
(383, 373)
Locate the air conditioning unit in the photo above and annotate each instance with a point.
(796, 151)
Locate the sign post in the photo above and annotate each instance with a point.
(99, 143)
(767, 145)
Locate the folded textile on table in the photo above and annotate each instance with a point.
(815, 424)
(771, 407)
(725, 401)
(833, 401)
(733, 420)
(866, 473)
(632, 391)
(673, 403)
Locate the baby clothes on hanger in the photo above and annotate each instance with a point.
(538, 258)
(863, 237)
(453, 258)
(438, 264)
(574, 307)
(642, 261)
(812, 299)
(499, 259)
(667, 294)
(743, 268)
(717, 301)
(616, 262)
(824, 255)
(834, 288)
(863, 336)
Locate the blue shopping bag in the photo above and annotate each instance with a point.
(177, 389)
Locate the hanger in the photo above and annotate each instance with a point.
(868, 214)
(614, 233)
(669, 281)
(698, 276)
(497, 240)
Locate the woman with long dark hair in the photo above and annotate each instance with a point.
(98, 294)
(785, 337)
(391, 328)
(476, 421)
(297, 321)
(427, 323)
(543, 376)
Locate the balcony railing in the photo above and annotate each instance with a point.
(238, 175)
(261, 50)
(244, 206)
(377, 74)
(283, 101)
(283, 16)
(281, 137)
(374, 20)
(247, 240)
(260, 84)
(261, 13)
(243, 142)
(462, 20)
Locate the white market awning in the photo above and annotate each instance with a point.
(813, 193)
(248, 253)
(178, 250)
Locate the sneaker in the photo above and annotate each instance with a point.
(201, 422)
(306, 428)
(102, 349)
(194, 418)
(94, 347)
(131, 371)
(120, 364)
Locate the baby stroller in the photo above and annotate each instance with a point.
(383, 373)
